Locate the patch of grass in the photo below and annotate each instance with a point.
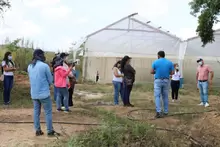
(20, 72)
(97, 88)
(140, 87)
(120, 132)
(20, 96)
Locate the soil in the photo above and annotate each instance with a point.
(20, 135)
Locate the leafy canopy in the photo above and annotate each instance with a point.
(4, 4)
(207, 11)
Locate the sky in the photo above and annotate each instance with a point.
(55, 24)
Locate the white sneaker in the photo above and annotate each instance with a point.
(63, 108)
(173, 101)
(201, 104)
(206, 104)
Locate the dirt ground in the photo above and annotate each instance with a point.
(204, 127)
(20, 135)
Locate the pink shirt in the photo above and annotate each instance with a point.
(60, 75)
(203, 72)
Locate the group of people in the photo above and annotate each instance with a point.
(64, 81)
(166, 75)
(123, 80)
(163, 69)
(63, 78)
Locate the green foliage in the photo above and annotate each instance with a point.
(120, 132)
(4, 4)
(207, 11)
(13, 46)
(22, 51)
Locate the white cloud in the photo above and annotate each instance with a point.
(81, 20)
(40, 3)
(151, 8)
(14, 25)
(186, 33)
(56, 12)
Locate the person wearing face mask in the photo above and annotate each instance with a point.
(203, 82)
(8, 68)
(175, 83)
(162, 68)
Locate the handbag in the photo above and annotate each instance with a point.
(128, 81)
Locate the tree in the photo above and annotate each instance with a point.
(4, 4)
(207, 11)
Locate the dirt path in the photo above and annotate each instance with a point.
(20, 135)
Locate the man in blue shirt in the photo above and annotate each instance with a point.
(162, 69)
(40, 80)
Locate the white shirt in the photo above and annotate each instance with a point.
(176, 76)
(9, 73)
(117, 79)
(70, 74)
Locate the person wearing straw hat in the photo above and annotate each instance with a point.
(203, 82)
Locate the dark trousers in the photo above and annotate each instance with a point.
(62, 103)
(71, 90)
(126, 93)
(8, 84)
(175, 85)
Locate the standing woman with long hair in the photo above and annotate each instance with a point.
(8, 72)
(175, 83)
(128, 81)
(117, 82)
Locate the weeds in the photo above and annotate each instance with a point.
(120, 132)
(20, 96)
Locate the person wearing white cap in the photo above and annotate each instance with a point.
(203, 81)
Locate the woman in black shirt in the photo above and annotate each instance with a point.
(129, 78)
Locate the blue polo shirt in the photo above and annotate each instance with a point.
(162, 68)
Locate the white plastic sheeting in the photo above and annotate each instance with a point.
(131, 35)
(194, 47)
(137, 37)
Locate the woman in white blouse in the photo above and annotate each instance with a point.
(117, 82)
(175, 83)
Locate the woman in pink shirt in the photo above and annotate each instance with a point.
(61, 75)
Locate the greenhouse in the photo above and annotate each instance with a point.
(140, 39)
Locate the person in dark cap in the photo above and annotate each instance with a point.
(128, 80)
(40, 80)
(203, 82)
(162, 68)
(55, 62)
(64, 57)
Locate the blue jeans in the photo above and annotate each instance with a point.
(55, 93)
(203, 89)
(126, 92)
(47, 105)
(8, 84)
(161, 87)
(117, 90)
(62, 93)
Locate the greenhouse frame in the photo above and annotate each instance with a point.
(140, 39)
